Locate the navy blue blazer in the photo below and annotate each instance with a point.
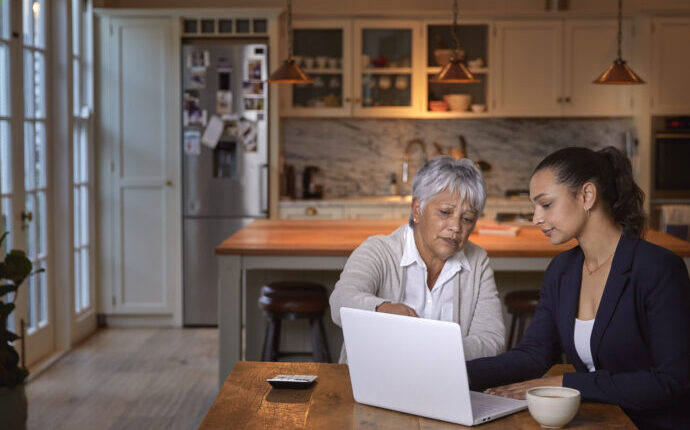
(640, 340)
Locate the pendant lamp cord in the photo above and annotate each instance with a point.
(620, 29)
(289, 28)
(455, 26)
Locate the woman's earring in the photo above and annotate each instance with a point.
(587, 212)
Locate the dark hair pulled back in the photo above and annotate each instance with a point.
(611, 172)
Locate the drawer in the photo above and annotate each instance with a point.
(312, 212)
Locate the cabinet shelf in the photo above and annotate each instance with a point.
(387, 71)
(475, 70)
(323, 71)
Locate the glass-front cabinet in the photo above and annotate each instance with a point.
(323, 50)
(360, 67)
(386, 67)
(457, 100)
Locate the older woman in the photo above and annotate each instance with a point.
(428, 268)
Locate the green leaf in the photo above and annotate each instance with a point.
(7, 288)
(8, 336)
(17, 266)
(6, 308)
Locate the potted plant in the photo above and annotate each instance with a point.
(13, 407)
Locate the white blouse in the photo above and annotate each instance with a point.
(583, 334)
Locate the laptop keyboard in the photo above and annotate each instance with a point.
(486, 405)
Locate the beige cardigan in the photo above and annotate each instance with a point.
(373, 275)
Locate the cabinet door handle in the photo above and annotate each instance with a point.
(567, 99)
(348, 99)
(27, 216)
(168, 183)
(559, 100)
(311, 211)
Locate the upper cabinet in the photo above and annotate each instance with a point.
(670, 85)
(546, 68)
(457, 100)
(387, 61)
(525, 68)
(529, 79)
(360, 67)
(322, 49)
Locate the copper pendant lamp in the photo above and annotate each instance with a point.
(619, 73)
(289, 72)
(455, 71)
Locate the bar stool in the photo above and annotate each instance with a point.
(521, 305)
(294, 300)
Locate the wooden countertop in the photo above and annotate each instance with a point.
(341, 237)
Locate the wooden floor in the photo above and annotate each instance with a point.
(129, 379)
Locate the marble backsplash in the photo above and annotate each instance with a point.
(358, 156)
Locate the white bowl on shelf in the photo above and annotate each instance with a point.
(458, 102)
(478, 108)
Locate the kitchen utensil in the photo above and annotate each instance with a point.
(334, 82)
(310, 188)
(401, 82)
(334, 62)
(478, 108)
(458, 102)
(318, 82)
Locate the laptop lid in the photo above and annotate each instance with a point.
(407, 364)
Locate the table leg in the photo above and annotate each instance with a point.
(229, 313)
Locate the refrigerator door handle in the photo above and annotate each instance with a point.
(263, 187)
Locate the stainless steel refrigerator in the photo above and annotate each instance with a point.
(225, 155)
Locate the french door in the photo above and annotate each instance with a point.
(24, 176)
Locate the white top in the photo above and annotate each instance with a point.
(583, 334)
(437, 303)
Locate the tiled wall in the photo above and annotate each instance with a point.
(358, 156)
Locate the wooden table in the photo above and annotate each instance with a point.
(326, 245)
(246, 401)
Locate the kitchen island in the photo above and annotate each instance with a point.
(326, 244)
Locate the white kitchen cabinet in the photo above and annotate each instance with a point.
(323, 49)
(387, 66)
(590, 47)
(474, 41)
(527, 56)
(364, 68)
(670, 86)
(546, 68)
(312, 211)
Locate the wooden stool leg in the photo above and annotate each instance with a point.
(275, 344)
(316, 346)
(521, 328)
(511, 335)
(268, 341)
(325, 341)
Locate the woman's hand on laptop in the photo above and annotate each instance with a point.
(396, 308)
(519, 389)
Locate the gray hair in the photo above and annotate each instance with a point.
(457, 176)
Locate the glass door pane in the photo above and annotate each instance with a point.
(386, 61)
(319, 52)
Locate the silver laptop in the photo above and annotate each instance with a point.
(417, 366)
